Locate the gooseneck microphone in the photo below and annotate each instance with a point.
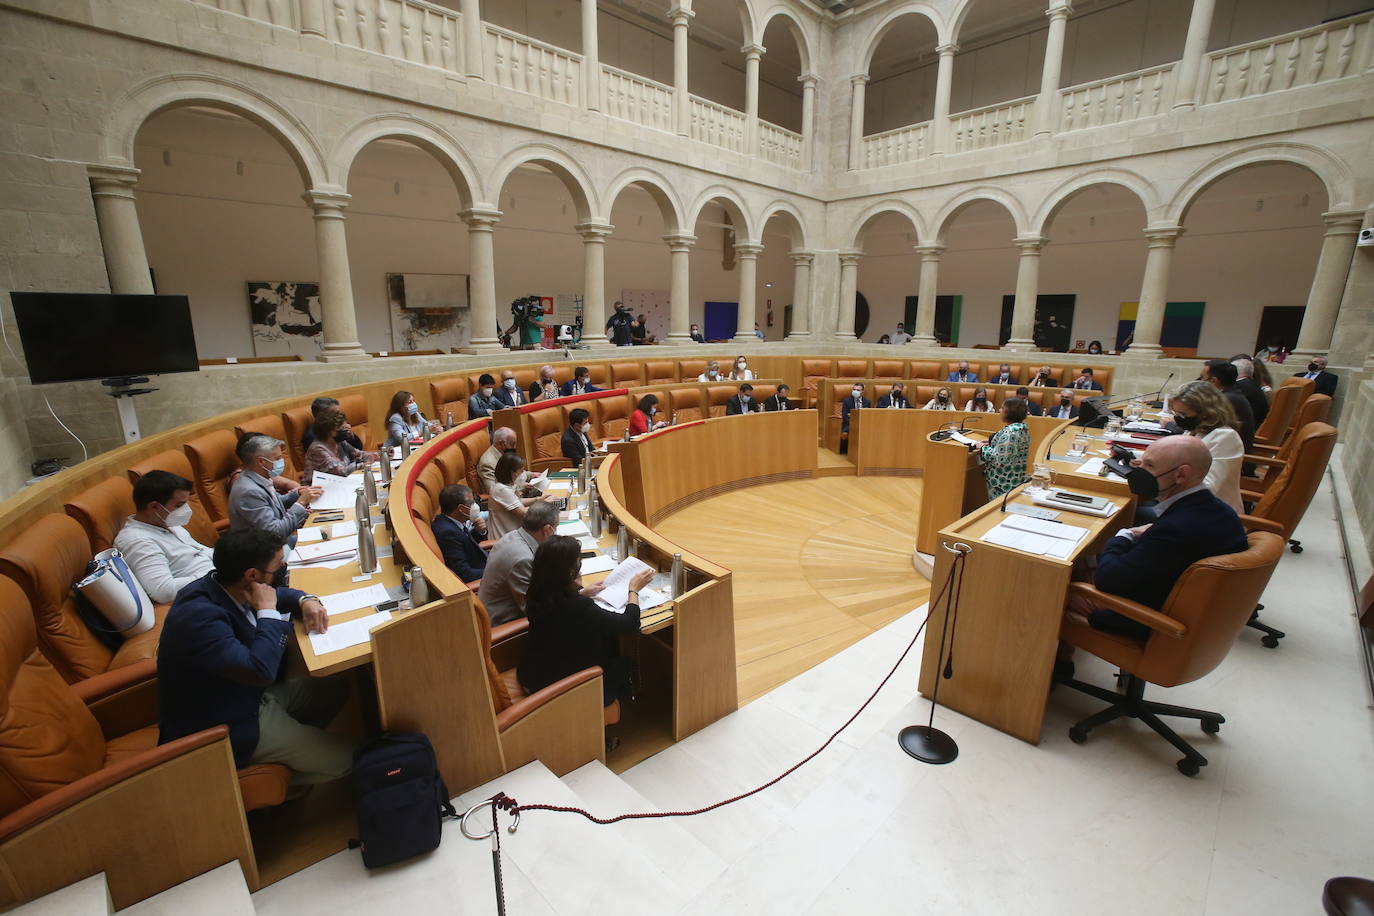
(968, 421)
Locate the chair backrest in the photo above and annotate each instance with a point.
(1213, 598)
(449, 396)
(926, 369)
(813, 370)
(450, 460)
(600, 375)
(625, 375)
(1316, 409)
(296, 422)
(851, 368)
(500, 696)
(431, 480)
(685, 404)
(546, 431)
(473, 445)
(613, 416)
(354, 407)
(102, 510)
(659, 370)
(716, 396)
(200, 526)
(272, 425)
(1288, 498)
(1283, 409)
(45, 561)
(48, 738)
(889, 368)
(213, 462)
(689, 369)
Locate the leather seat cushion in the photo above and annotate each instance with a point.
(130, 745)
(263, 785)
(141, 646)
(512, 682)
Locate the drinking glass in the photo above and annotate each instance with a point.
(1080, 444)
(1113, 425)
(1041, 478)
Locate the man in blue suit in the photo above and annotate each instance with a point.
(580, 383)
(962, 374)
(1143, 563)
(220, 658)
(454, 531)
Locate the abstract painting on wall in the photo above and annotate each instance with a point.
(654, 304)
(286, 318)
(428, 311)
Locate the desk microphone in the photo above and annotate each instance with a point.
(964, 423)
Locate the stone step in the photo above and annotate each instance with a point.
(221, 891)
(578, 867)
(87, 897)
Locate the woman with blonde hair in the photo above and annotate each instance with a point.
(1201, 410)
(741, 371)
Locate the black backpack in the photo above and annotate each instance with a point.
(399, 798)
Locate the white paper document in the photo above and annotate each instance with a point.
(343, 529)
(308, 535)
(617, 585)
(597, 564)
(1091, 466)
(344, 635)
(573, 527)
(650, 598)
(558, 486)
(1037, 536)
(333, 549)
(966, 440)
(352, 600)
(339, 492)
(587, 541)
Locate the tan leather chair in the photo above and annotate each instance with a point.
(626, 375)
(600, 375)
(102, 510)
(889, 368)
(213, 463)
(452, 463)
(812, 372)
(689, 369)
(716, 396)
(926, 369)
(175, 461)
(273, 425)
(851, 368)
(1269, 461)
(546, 430)
(1189, 637)
(354, 407)
(612, 416)
(685, 404)
(450, 396)
(660, 371)
(1282, 507)
(296, 422)
(472, 445)
(1283, 411)
(431, 480)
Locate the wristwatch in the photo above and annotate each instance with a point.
(305, 598)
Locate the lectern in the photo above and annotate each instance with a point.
(954, 486)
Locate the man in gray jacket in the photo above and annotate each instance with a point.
(507, 575)
(255, 503)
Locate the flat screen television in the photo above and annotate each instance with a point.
(68, 337)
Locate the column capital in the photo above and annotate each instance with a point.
(753, 51)
(949, 47)
(115, 180)
(327, 203)
(1343, 222)
(930, 252)
(1031, 244)
(809, 80)
(480, 218)
(1163, 236)
(858, 79)
(594, 230)
(748, 250)
(679, 241)
(801, 256)
(850, 257)
(1060, 10)
(679, 16)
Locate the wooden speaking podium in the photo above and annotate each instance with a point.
(954, 486)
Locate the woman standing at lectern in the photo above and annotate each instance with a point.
(1004, 457)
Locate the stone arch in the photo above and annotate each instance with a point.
(1137, 185)
(658, 187)
(956, 21)
(899, 207)
(747, 19)
(885, 25)
(573, 176)
(798, 32)
(982, 192)
(1330, 170)
(178, 90)
(784, 208)
(739, 215)
(427, 136)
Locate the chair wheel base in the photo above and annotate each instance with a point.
(1078, 735)
(1189, 767)
(1211, 726)
(1270, 642)
(1295, 546)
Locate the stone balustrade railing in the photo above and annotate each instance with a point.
(717, 125)
(513, 61)
(904, 144)
(1142, 94)
(779, 145)
(634, 98)
(992, 125)
(1317, 55)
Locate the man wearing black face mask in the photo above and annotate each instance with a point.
(1143, 563)
(1316, 370)
(1064, 408)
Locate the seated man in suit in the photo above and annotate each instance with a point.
(502, 441)
(507, 576)
(253, 500)
(509, 394)
(220, 659)
(1003, 377)
(161, 555)
(1143, 563)
(318, 408)
(743, 402)
(459, 529)
(852, 401)
(962, 374)
(779, 400)
(577, 437)
(1316, 370)
(1223, 375)
(1064, 408)
(1085, 381)
(580, 383)
(1247, 386)
(1032, 408)
(894, 399)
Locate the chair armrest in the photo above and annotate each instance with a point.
(509, 630)
(508, 643)
(122, 699)
(1255, 523)
(1269, 450)
(221, 524)
(526, 705)
(1160, 623)
(1265, 461)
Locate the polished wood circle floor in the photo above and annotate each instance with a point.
(817, 565)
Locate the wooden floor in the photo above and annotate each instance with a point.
(818, 565)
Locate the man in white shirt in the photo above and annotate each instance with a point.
(154, 541)
(901, 337)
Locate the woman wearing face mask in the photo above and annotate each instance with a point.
(577, 438)
(404, 420)
(643, 419)
(1200, 410)
(979, 403)
(1043, 378)
(1095, 348)
(941, 401)
(506, 504)
(1005, 456)
(712, 373)
(741, 372)
(329, 452)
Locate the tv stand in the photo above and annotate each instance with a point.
(123, 390)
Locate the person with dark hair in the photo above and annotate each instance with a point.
(457, 533)
(855, 400)
(642, 420)
(507, 574)
(154, 541)
(639, 333)
(404, 420)
(696, 335)
(505, 498)
(743, 402)
(619, 325)
(569, 631)
(577, 437)
(330, 451)
(778, 401)
(317, 408)
(941, 401)
(1005, 456)
(1223, 377)
(980, 402)
(895, 399)
(580, 383)
(221, 655)
(1095, 348)
(253, 500)
(483, 402)
(503, 440)
(1032, 408)
(1085, 380)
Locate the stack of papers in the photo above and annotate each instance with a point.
(339, 492)
(1047, 499)
(573, 528)
(342, 529)
(345, 635)
(343, 602)
(597, 564)
(1145, 426)
(316, 551)
(558, 486)
(1037, 536)
(966, 440)
(616, 593)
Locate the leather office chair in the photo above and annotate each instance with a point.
(1283, 410)
(1190, 635)
(685, 404)
(354, 407)
(813, 371)
(214, 463)
(612, 416)
(273, 425)
(889, 368)
(102, 510)
(472, 445)
(200, 526)
(449, 396)
(1270, 461)
(926, 370)
(451, 463)
(546, 430)
(296, 423)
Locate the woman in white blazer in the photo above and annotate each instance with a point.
(1203, 411)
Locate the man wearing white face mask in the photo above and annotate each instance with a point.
(254, 503)
(577, 438)
(154, 541)
(509, 393)
(853, 401)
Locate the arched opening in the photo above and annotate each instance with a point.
(1248, 255)
(978, 272)
(776, 294)
(889, 276)
(780, 92)
(1001, 55)
(638, 268)
(1096, 259)
(555, 22)
(219, 203)
(407, 249)
(901, 73)
(715, 55)
(1239, 23)
(720, 227)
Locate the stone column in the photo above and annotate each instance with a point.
(1027, 289)
(808, 125)
(849, 291)
(857, 84)
(481, 221)
(1324, 299)
(944, 83)
(1189, 71)
(682, 107)
(591, 57)
(473, 35)
(801, 292)
(752, 55)
(1048, 106)
(1154, 291)
(747, 257)
(679, 289)
(336, 281)
(312, 18)
(928, 293)
(594, 234)
(116, 216)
